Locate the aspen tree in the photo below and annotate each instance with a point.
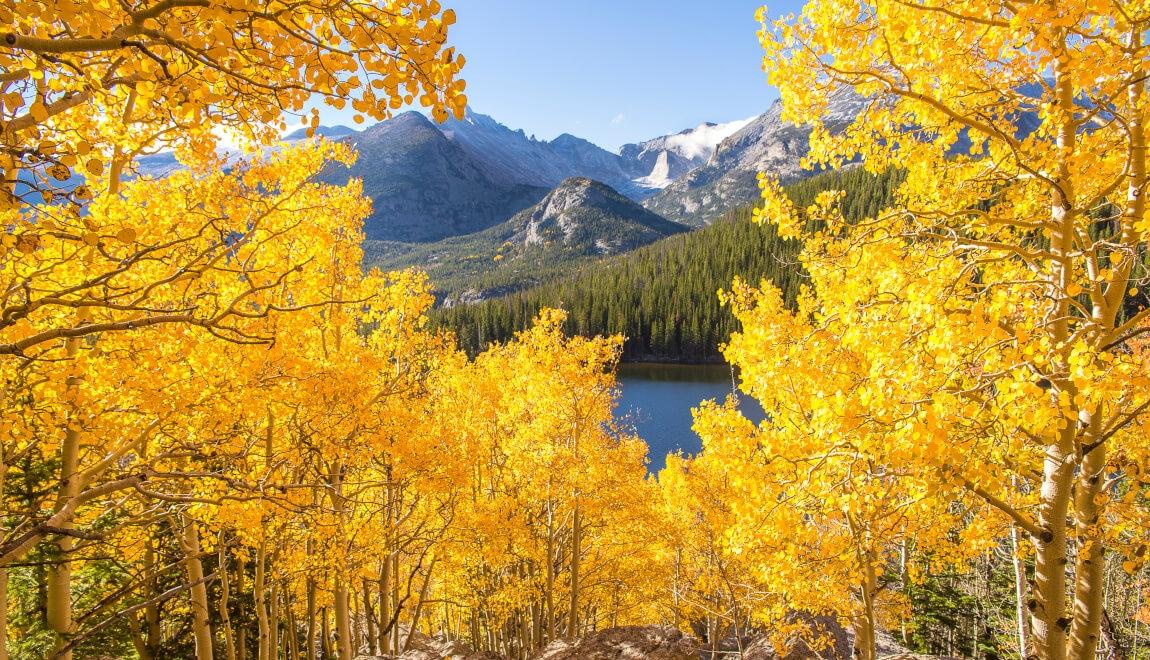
(983, 323)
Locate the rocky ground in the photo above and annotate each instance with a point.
(662, 643)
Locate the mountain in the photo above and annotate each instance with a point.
(590, 218)
(428, 182)
(425, 186)
(661, 297)
(331, 132)
(578, 221)
(729, 179)
(524, 159)
(664, 159)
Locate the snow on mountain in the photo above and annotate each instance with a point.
(700, 142)
(729, 178)
(666, 158)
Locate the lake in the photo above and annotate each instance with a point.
(656, 399)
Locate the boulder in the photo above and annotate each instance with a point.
(626, 643)
(424, 647)
(831, 641)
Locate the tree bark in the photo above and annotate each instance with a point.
(1020, 592)
(3, 609)
(59, 602)
(325, 632)
(225, 601)
(419, 606)
(259, 596)
(242, 636)
(368, 617)
(274, 617)
(385, 605)
(198, 594)
(311, 619)
(342, 619)
(576, 551)
(1049, 624)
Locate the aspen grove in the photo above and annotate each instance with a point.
(221, 437)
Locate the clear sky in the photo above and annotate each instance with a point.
(611, 71)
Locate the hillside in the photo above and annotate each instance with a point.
(663, 297)
(580, 220)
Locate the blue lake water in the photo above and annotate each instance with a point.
(656, 400)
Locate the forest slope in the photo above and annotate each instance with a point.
(662, 297)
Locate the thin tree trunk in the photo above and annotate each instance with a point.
(1048, 621)
(1085, 630)
(1020, 592)
(198, 594)
(419, 606)
(368, 616)
(3, 607)
(259, 596)
(342, 619)
(59, 602)
(576, 551)
(310, 638)
(3, 571)
(864, 625)
(138, 641)
(385, 605)
(225, 600)
(274, 617)
(549, 588)
(395, 641)
(292, 627)
(325, 631)
(242, 636)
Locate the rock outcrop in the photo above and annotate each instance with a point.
(626, 643)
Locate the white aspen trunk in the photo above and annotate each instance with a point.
(1020, 592)
(576, 551)
(59, 602)
(198, 593)
(549, 581)
(1049, 624)
(864, 627)
(385, 605)
(225, 600)
(342, 619)
(259, 596)
(274, 617)
(368, 617)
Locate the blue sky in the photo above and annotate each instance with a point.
(611, 71)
